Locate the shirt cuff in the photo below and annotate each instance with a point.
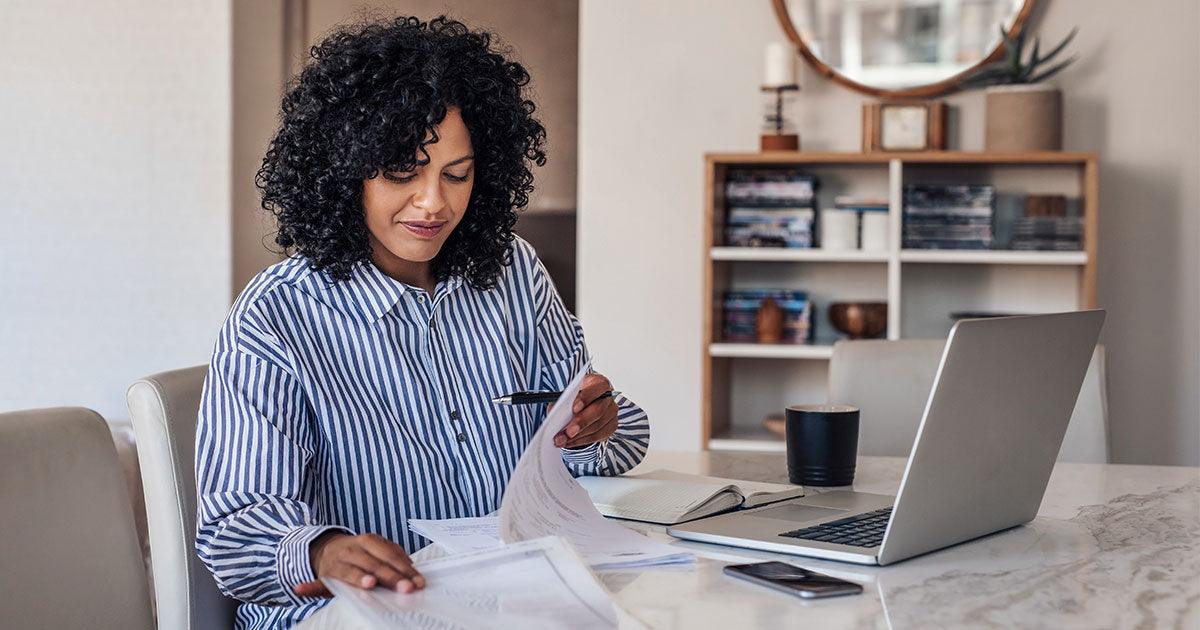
(591, 454)
(293, 564)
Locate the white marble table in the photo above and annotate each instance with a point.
(1112, 547)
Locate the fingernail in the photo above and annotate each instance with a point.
(366, 581)
(559, 440)
(578, 406)
(419, 581)
(404, 586)
(572, 431)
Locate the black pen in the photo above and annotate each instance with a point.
(538, 398)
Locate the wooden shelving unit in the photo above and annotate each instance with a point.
(920, 287)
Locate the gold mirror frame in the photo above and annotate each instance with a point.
(923, 91)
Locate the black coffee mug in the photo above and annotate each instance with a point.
(822, 444)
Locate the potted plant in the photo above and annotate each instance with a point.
(1022, 113)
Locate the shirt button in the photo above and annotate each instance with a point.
(420, 297)
(454, 415)
(461, 437)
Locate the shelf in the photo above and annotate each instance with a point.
(984, 257)
(795, 254)
(770, 351)
(1079, 158)
(747, 439)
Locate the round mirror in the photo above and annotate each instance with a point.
(899, 48)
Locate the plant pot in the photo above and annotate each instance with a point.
(1023, 118)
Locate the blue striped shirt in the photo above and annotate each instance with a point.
(361, 404)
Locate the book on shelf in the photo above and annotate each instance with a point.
(769, 187)
(770, 227)
(1038, 223)
(948, 216)
(666, 497)
(740, 312)
(770, 208)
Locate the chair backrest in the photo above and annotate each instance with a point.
(889, 381)
(163, 408)
(69, 553)
(1087, 434)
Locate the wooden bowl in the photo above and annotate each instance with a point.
(859, 320)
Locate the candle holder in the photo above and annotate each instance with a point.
(778, 132)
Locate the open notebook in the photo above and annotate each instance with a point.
(666, 497)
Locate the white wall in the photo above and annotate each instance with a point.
(663, 82)
(114, 245)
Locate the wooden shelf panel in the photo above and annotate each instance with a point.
(985, 257)
(917, 157)
(770, 351)
(782, 254)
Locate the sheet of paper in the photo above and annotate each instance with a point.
(460, 535)
(532, 584)
(543, 499)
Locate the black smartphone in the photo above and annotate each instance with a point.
(794, 580)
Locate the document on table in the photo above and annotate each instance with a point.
(460, 535)
(543, 499)
(532, 584)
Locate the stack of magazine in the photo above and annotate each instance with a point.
(940, 216)
(741, 310)
(770, 208)
(1063, 234)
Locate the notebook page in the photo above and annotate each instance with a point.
(756, 492)
(652, 500)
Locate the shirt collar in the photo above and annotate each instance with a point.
(368, 293)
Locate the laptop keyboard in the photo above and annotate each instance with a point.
(860, 530)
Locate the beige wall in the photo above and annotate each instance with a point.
(542, 33)
(660, 86)
(544, 37)
(258, 75)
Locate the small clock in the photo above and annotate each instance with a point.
(904, 126)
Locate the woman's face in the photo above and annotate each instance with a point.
(410, 215)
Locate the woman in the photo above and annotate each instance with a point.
(350, 386)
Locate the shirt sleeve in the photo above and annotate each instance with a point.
(254, 446)
(563, 353)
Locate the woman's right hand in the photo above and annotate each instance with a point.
(365, 561)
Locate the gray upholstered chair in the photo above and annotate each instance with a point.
(889, 382)
(69, 553)
(163, 408)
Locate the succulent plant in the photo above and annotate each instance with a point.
(1012, 70)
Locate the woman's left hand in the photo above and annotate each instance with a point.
(594, 420)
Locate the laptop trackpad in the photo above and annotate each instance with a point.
(798, 513)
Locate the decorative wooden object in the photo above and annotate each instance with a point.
(768, 322)
(859, 320)
(773, 138)
(875, 131)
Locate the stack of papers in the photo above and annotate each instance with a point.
(533, 584)
(464, 535)
(543, 499)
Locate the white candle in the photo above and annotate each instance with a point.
(780, 65)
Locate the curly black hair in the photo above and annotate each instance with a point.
(368, 103)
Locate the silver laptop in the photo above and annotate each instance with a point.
(988, 439)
